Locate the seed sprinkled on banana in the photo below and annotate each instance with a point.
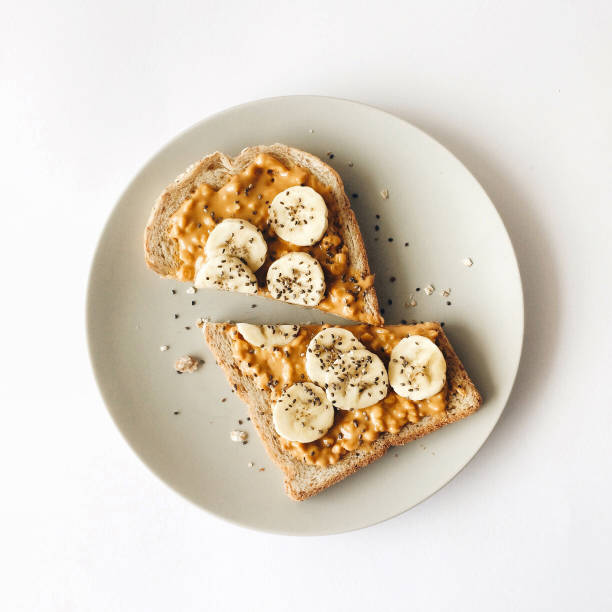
(302, 413)
(417, 368)
(238, 238)
(226, 273)
(356, 379)
(296, 278)
(263, 336)
(325, 348)
(299, 215)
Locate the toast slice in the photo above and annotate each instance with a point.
(347, 274)
(304, 479)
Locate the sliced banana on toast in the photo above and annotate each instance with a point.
(302, 413)
(325, 348)
(356, 379)
(226, 273)
(417, 368)
(299, 215)
(296, 278)
(263, 336)
(238, 238)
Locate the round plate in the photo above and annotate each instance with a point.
(436, 215)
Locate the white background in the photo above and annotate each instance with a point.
(521, 92)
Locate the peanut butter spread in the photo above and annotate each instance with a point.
(276, 368)
(247, 196)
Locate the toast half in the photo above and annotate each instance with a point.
(303, 480)
(215, 170)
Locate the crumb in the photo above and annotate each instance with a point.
(350, 164)
(191, 290)
(468, 262)
(262, 469)
(187, 363)
(429, 289)
(310, 131)
(202, 321)
(445, 292)
(250, 464)
(384, 194)
(411, 302)
(396, 455)
(164, 347)
(238, 436)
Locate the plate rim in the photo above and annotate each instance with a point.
(96, 253)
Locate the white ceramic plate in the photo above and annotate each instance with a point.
(434, 204)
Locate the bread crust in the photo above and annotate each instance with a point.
(216, 169)
(304, 480)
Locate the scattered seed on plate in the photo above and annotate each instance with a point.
(445, 292)
(350, 164)
(411, 302)
(191, 290)
(390, 239)
(429, 289)
(310, 131)
(175, 315)
(384, 194)
(468, 262)
(406, 244)
(448, 303)
(250, 464)
(164, 347)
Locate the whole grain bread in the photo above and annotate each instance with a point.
(161, 253)
(303, 480)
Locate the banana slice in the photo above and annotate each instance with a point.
(356, 379)
(325, 348)
(302, 413)
(238, 238)
(226, 273)
(296, 278)
(268, 335)
(417, 368)
(299, 215)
